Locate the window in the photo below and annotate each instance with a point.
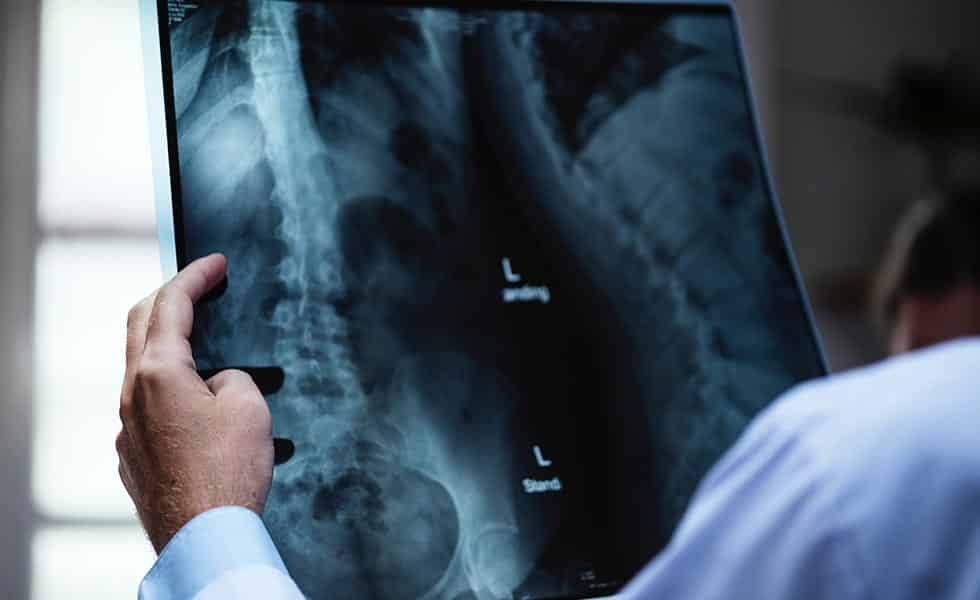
(96, 257)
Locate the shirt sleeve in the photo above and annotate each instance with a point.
(762, 525)
(219, 555)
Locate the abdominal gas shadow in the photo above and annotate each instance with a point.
(270, 379)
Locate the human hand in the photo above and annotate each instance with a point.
(187, 446)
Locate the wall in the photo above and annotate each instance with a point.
(756, 24)
(18, 59)
(844, 183)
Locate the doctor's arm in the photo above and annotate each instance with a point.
(196, 456)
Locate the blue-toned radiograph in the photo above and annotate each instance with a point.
(520, 269)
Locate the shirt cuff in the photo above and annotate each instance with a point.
(210, 545)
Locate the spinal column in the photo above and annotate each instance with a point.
(380, 499)
(313, 336)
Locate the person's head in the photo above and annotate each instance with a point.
(928, 291)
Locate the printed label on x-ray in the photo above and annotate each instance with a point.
(535, 486)
(527, 294)
(539, 456)
(179, 10)
(523, 294)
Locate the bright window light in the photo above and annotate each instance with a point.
(84, 290)
(98, 256)
(94, 160)
(86, 563)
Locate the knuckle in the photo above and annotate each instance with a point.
(170, 295)
(166, 294)
(154, 372)
(121, 444)
(135, 316)
(241, 389)
(242, 379)
(234, 380)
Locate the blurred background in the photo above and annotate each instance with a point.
(867, 108)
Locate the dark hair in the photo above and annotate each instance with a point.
(935, 250)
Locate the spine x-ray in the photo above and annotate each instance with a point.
(518, 265)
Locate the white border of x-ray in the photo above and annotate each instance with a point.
(159, 144)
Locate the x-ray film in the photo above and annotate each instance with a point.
(511, 275)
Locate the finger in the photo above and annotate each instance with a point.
(234, 383)
(172, 316)
(236, 391)
(136, 323)
(230, 378)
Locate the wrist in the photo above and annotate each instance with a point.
(175, 513)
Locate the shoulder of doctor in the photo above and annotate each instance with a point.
(866, 485)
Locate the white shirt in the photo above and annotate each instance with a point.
(222, 554)
(864, 486)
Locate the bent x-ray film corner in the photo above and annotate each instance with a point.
(518, 266)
